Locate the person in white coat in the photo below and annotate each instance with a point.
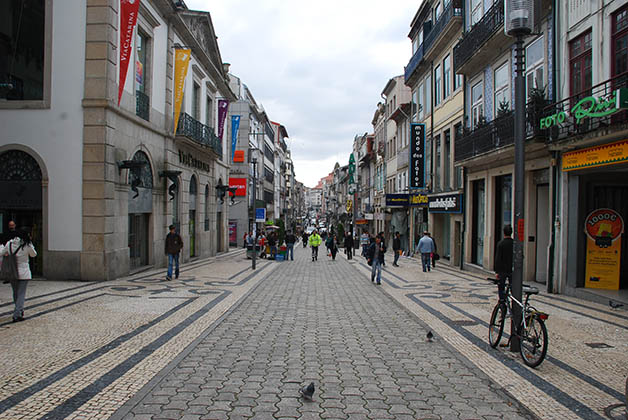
(25, 249)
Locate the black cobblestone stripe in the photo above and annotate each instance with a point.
(20, 396)
(48, 295)
(566, 400)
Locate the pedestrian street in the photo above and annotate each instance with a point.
(585, 372)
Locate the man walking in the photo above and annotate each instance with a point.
(503, 261)
(396, 248)
(290, 241)
(426, 248)
(174, 244)
(365, 241)
(349, 244)
(375, 256)
(315, 241)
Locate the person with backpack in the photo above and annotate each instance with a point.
(16, 269)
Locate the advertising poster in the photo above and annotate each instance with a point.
(233, 233)
(603, 228)
(417, 156)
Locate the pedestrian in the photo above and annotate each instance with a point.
(22, 247)
(503, 262)
(375, 255)
(304, 237)
(272, 243)
(426, 248)
(365, 241)
(262, 245)
(382, 238)
(435, 256)
(174, 244)
(396, 248)
(333, 246)
(315, 241)
(290, 241)
(349, 244)
(10, 234)
(244, 239)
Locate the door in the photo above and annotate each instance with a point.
(192, 233)
(477, 236)
(138, 240)
(219, 232)
(542, 231)
(457, 242)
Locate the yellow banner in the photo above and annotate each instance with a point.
(181, 63)
(596, 156)
(602, 270)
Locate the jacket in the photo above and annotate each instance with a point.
(290, 239)
(396, 244)
(174, 243)
(349, 241)
(315, 240)
(370, 253)
(23, 268)
(426, 245)
(503, 256)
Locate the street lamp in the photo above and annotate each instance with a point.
(519, 21)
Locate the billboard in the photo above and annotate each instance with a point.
(417, 156)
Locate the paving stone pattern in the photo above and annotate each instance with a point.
(323, 322)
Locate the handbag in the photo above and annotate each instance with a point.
(8, 272)
(436, 256)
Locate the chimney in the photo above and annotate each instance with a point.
(225, 67)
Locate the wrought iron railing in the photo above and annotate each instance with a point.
(417, 57)
(200, 133)
(142, 105)
(454, 9)
(481, 32)
(593, 109)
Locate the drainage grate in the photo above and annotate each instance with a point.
(464, 322)
(599, 345)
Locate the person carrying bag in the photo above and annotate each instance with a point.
(16, 269)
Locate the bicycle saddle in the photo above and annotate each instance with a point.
(530, 290)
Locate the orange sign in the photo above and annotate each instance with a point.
(181, 63)
(606, 154)
(603, 227)
(238, 156)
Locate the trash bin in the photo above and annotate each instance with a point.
(249, 251)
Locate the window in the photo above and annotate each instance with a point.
(415, 104)
(209, 112)
(421, 101)
(141, 65)
(437, 85)
(196, 101)
(437, 163)
(502, 91)
(447, 151)
(580, 63)
(428, 95)
(477, 104)
(23, 62)
(446, 76)
(620, 42)
(476, 11)
(459, 181)
(457, 81)
(438, 10)
(534, 66)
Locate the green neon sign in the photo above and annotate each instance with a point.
(590, 107)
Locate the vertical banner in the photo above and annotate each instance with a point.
(233, 233)
(417, 155)
(603, 228)
(223, 106)
(128, 19)
(235, 126)
(181, 63)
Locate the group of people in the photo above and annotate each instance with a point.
(16, 245)
(272, 240)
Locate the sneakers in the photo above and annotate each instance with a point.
(168, 278)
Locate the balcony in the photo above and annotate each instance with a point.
(142, 105)
(484, 41)
(442, 31)
(199, 133)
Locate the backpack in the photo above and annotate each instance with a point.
(8, 272)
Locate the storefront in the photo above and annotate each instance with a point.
(417, 203)
(445, 215)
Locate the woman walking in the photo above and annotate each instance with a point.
(22, 248)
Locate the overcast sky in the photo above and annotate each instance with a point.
(318, 68)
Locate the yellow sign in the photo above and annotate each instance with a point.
(349, 206)
(603, 228)
(181, 63)
(607, 154)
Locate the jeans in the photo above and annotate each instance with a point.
(173, 258)
(396, 257)
(376, 268)
(501, 285)
(290, 251)
(314, 253)
(364, 248)
(426, 259)
(349, 252)
(19, 294)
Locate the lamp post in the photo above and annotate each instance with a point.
(254, 162)
(519, 21)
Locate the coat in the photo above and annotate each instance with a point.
(174, 243)
(23, 268)
(426, 245)
(315, 240)
(370, 253)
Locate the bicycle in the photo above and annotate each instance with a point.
(531, 332)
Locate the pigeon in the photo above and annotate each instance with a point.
(615, 305)
(307, 391)
(429, 336)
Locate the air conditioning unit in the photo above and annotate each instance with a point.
(518, 17)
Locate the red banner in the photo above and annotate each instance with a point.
(128, 19)
(240, 184)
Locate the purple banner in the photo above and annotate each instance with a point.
(223, 106)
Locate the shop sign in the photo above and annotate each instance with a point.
(591, 157)
(590, 107)
(188, 159)
(396, 200)
(603, 228)
(260, 214)
(445, 204)
(240, 184)
(417, 200)
(233, 233)
(361, 222)
(417, 155)
(368, 216)
(238, 156)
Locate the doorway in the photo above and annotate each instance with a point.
(138, 240)
(477, 231)
(542, 231)
(192, 215)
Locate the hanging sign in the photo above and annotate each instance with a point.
(418, 200)
(240, 184)
(396, 200)
(223, 106)
(451, 203)
(417, 156)
(238, 156)
(235, 125)
(128, 18)
(603, 228)
(181, 63)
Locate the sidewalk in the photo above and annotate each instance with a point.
(585, 371)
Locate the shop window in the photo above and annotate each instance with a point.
(580, 65)
(620, 42)
(142, 75)
(534, 65)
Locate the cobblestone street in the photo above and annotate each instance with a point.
(223, 342)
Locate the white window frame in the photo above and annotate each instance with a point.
(477, 106)
(421, 102)
(534, 69)
(503, 90)
(438, 78)
(447, 78)
(476, 12)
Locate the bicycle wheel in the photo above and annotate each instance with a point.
(496, 327)
(534, 342)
